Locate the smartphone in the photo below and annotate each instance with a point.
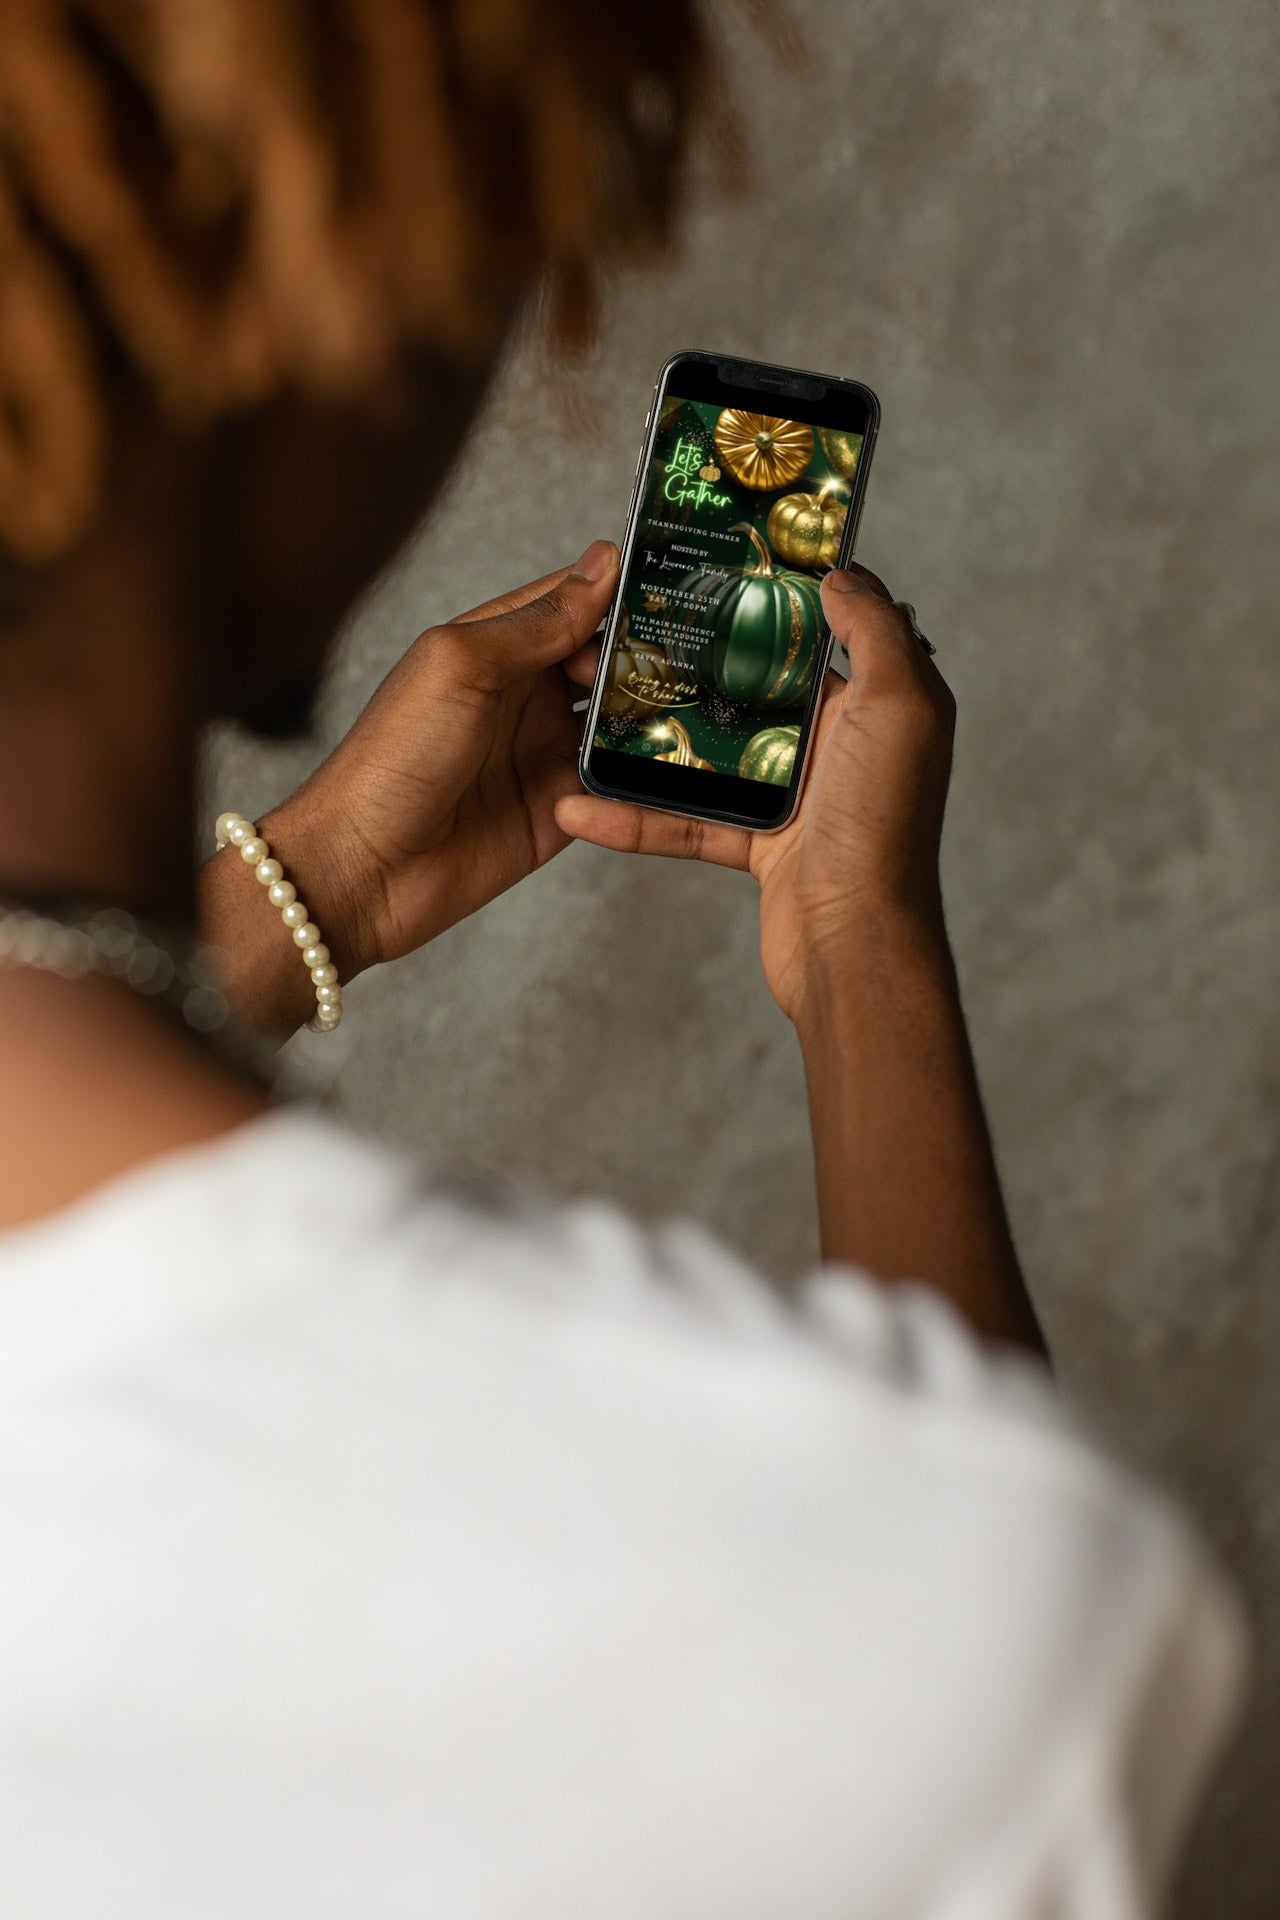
(748, 489)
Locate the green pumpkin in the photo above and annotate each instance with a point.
(755, 636)
(770, 755)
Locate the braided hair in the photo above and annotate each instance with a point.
(211, 202)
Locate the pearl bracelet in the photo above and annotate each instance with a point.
(234, 830)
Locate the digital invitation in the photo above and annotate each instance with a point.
(721, 625)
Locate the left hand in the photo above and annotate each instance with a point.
(443, 794)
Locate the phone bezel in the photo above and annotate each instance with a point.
(689, 790)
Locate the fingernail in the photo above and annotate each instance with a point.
(842, 582)
(599, 560)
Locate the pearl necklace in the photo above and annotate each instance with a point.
(108, 941)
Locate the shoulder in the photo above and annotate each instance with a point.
(296, 1213)
(658, 1324)
(296, 1203)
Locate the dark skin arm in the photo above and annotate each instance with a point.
(855, 951)
(460, 777)
(907, 1183)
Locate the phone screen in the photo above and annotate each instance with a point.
(718, 641)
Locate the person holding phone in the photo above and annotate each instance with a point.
(370, 1546)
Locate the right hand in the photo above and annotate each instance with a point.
(864, 842)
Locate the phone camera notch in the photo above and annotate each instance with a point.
(771, 380)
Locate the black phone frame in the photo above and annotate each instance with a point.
(821, 401)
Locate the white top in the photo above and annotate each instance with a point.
(372, 1552)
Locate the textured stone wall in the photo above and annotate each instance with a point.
(1047, 236)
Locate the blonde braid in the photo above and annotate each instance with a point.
(50, 429)
(243, 197)
(53, 119)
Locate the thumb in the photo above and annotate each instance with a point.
(544, 631)
(871, 628)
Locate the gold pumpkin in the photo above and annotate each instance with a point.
(680, 750)
(805, 529)
(640, 678)
(842, 449)
(762, 451)
(770, 755)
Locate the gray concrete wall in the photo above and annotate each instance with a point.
(1047, 236)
